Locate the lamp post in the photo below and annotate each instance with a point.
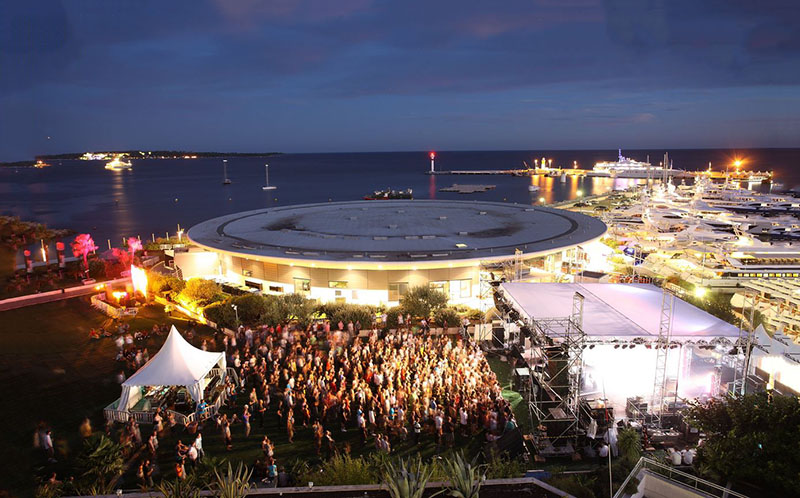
(236, 310)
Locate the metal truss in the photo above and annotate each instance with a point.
(556, 361)
(662, 352)
(744, 346)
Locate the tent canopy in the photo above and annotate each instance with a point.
(177, 363)
(616, 310)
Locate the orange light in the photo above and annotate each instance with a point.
(139, 280)
(433, 155)
(119, 295)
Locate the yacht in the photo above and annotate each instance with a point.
(117, 164)
(625, 167)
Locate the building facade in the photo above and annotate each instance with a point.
(372, 252)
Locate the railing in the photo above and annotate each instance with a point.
(123, 416)
(182, 419)
(678, 477)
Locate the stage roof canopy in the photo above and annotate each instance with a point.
(616, 311)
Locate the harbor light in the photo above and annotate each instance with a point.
(700, 292)
(579, 193)
(541, 199)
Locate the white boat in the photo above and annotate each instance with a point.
(117, 164)
(626, 167)
(533, 188)
(267, 186)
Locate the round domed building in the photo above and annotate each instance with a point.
(371, 252)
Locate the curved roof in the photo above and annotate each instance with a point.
(396, 231)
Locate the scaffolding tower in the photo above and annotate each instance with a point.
(556, 364)
(662, 345)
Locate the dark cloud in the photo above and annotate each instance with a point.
(346, 61)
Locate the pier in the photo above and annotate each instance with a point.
(736, 176)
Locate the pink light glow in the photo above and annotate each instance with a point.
(82, 246)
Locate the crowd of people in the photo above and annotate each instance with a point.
(394, 387)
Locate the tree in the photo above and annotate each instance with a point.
(422, 301)
(200, 291)
(299, 307)
(752, 438)
(82, 246)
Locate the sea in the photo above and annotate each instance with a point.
(158, 196)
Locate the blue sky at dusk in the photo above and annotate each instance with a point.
(371, 75)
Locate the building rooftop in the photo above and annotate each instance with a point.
(397, 231)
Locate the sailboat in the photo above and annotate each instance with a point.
(266, 173)
(225, 179)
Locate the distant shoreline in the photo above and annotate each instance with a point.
(136, 154)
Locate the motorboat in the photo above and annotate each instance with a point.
(389, 194)
(117, 164)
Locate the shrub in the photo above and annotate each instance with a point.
(341, 470)
(448, 316)
(391, 317)
(345, 312)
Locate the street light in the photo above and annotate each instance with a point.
(236, 310)
(541, 199)
(580, 193)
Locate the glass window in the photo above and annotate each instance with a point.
(397, 290)
(465, 288)
(302, 286)
(337, 284)
(441, 285)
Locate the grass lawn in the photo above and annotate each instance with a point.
(518, 404)
(51, 371)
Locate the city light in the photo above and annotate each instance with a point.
(700, 292)
(579, 193)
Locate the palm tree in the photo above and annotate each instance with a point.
(102, 462)
(466, 478)
(233, 484)
(630, 445)
(407, 480)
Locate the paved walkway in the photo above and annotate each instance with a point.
(56, 295)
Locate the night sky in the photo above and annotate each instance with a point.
(379, 75)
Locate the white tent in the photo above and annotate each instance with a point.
(177, 363)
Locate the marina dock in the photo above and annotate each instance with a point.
(737, 176)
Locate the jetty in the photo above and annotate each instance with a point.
(467, 189)
(735, 176)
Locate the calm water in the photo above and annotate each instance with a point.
(157, 195)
